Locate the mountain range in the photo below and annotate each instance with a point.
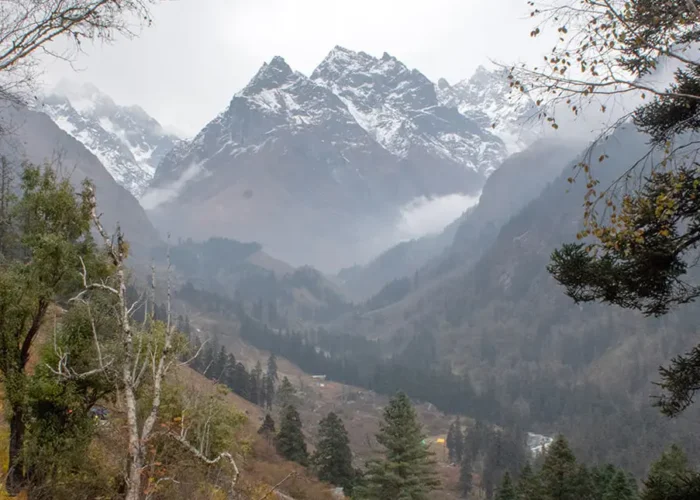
(128, 141)
(319, 168)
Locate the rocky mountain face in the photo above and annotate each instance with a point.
(129, 143)
(487, 99)
(36, 138)
(317, 168)
(399, 107)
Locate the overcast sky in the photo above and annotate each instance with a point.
(186, 67)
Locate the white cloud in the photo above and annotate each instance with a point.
(425, 216)
(157, 196)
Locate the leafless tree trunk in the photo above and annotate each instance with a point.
(142, 351)
(148, 353)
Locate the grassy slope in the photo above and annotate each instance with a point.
(261, 469)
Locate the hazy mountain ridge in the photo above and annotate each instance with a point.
(521, 178)
(335, 155)
(129, 143)
(487, 98)
(36, 138)
(503, 320)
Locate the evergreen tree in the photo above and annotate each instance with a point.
(619, 488)
(256, 381)
(207, 359)
(286, 394)
(560, 473)
(466, 469)
(670, 474)
(451, 443)
(272, 368)
(507, 490)
(459, 441)
(229, 379)
(241, 381)
(290, 439)
(267, 429)
(407, 471)
(218, 367)
(494, 464)
(529, 486)
(269, 386)
(253, 389)
(333, 458)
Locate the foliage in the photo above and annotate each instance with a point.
(290, 439)
(562, 477)
(466, 471)
(286, 395)
(641, 263)
(507, 490)
(210, 425)
(333, 458)
(267, 428)
(51, 225)
(407, 469)
(60, 424)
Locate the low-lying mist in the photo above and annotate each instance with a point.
(424, 216)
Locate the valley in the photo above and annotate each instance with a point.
(380, 270)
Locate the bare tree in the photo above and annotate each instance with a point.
(141, 351)
(143, 354)
(27, 28)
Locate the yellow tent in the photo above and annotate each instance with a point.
(440, 440)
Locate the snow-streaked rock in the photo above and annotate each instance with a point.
(127, 141)
(399, 107)
(488, 99)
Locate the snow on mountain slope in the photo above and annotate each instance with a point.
(127, 141)
(400, 108)
(487, 99)
(286, 165)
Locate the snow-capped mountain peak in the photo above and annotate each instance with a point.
(399, 107)
(487, 98)
(126, 139)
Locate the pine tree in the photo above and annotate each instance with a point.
(507, 490)
(272, 368)
(333, 458)
(459, 441)
(466, 469)
(286, 395)
(529, 486)
(670, 473)
(290, 439)
(269, 386)
(407, 471)
(619, 488)
(218, 367)
(230, 372)
(253, 389)
(451, 443)
(560, 473)
(267, 429)
(241, 381)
